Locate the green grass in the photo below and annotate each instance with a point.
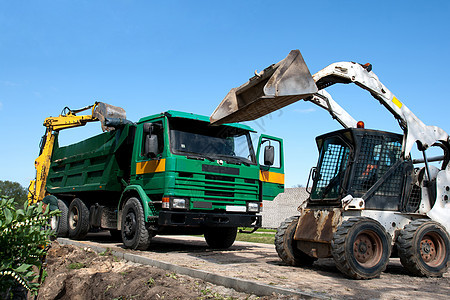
(259, 230)
(263, 238)
(266, 236)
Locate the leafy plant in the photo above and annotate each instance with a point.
(76, 266)
(150, 282)
(24, 238)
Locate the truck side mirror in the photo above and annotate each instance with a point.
(269, 155)
(148, 128)
(151, 145)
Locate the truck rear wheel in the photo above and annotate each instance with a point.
(60, 224)
(220, 237)
(361, 248)
(78, 219)
(423, 248)
(135, 234)
(286, 245)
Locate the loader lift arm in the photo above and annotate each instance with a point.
(67, 119)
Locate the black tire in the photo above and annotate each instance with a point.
(116, 235)
(220, 237)
(361, 248)
(62, 226)
(135, 234)
(78, 219)
(286, 245)
(423, 248)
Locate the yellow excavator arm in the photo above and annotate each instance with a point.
(67, 119)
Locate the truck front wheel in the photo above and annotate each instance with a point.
(135, 234)
(220, 237)
(78, 219)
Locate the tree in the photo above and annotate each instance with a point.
(15, 191)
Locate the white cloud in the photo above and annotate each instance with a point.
(305, 111)
(1, 105)
(9, 83)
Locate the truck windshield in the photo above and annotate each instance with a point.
(198, 138)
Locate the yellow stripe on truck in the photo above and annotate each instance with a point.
(151, 166)
(272, 177)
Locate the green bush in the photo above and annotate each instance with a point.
(24, 237)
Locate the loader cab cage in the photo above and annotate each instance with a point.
(363, 163)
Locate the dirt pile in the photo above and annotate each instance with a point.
(75, 273)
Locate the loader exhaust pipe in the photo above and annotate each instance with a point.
(278, 85)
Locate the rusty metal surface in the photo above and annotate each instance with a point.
(317, 225)
(277, 86)
(105, 111)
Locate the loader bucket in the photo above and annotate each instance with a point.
(104, 111)
(277, 86)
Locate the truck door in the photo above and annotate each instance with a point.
(150, 162)
(271, 166)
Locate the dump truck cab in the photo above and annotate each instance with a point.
(189, 169)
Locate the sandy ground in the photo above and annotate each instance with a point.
(260, 263)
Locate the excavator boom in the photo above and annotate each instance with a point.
(68, 119)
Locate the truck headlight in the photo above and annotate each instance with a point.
(179, 203)
(175, 203)
(253, 207)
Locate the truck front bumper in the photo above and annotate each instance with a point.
(199, 219)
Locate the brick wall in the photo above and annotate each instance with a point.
(283, 206)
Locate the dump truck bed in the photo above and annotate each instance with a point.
(95, 164)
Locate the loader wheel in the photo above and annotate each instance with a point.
(423, 248)
(286, 246)
(78, 219)
(60, 223)
(135, 234)
(361, 248)
(220, 237)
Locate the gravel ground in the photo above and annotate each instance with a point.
(260, 263)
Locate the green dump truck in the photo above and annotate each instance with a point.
(170, 173)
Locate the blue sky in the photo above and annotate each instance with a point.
(152, 56)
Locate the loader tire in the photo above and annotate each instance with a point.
(423, 248)
(220, 237)
(62, 226)
(286, 246)
(78, 219)
(135, 234)
(361, 248)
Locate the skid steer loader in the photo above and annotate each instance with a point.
(369, 199)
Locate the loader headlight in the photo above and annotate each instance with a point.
(253, 207)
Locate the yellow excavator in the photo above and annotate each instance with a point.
(68, 118)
